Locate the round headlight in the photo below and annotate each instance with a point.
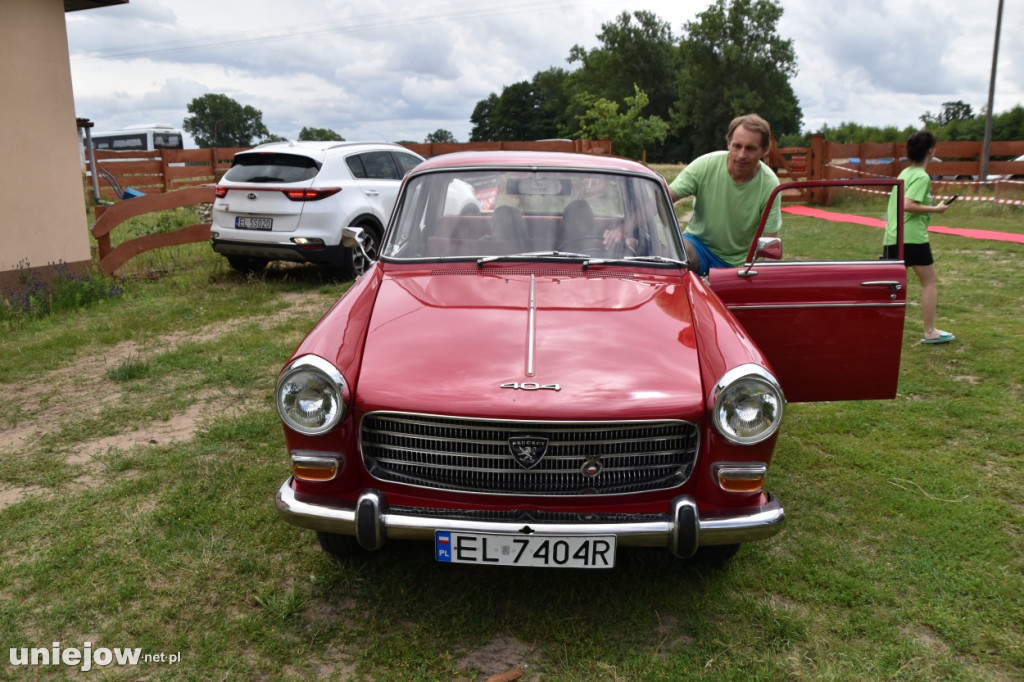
(311, 396)
(748, 405)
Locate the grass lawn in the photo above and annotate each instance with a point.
(140, 453)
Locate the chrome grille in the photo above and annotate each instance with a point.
(473, 455)
(522, 516)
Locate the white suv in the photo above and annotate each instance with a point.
(289, 201)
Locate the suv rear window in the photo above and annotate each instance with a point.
(272, 168)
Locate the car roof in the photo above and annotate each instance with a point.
(566, 160)
(308, 146)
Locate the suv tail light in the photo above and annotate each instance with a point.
(311, 194)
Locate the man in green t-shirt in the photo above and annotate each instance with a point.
(731, 189)
(918, 209)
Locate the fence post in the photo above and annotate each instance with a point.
(163, 171)
(815, 167)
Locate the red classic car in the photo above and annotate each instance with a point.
(538, 380)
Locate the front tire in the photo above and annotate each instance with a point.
(339, 546)
(715, 554)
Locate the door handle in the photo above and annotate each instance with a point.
(894, 287)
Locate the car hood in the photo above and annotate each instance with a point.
(602, 345)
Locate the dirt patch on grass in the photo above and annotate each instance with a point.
(82, 389)
(502, 658)
(9, 496)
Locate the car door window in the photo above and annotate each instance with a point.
(355, 164)
(378, 166)
(406, 162)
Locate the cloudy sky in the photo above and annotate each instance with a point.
(399, 70)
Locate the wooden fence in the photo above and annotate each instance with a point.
(172, 178)
(166, 170)
(957, 164)
(111, 258)
(954, 159)
(158, 172)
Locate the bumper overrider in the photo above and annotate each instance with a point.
(682, 529)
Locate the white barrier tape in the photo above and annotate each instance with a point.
(1007, 202)
(941, 197)
(958, 183)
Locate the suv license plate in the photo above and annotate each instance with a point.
(254, 223)
(553, 551)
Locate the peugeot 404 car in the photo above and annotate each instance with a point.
(543, 382)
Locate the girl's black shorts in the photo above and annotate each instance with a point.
(913, 254)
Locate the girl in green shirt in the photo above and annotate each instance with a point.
(918, 209)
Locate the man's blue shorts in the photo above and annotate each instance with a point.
(706, 258)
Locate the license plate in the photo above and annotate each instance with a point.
(554, 551)
(254, 223)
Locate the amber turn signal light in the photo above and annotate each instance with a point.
(740, 477)
(319, 468)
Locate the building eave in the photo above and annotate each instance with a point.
(75, 5)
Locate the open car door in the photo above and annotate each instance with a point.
(832, 330)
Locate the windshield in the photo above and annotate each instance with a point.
(271, 167)
(487, 213)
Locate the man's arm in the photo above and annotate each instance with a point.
(687, 182)
(774, 222)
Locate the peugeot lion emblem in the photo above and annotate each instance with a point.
(527, 451)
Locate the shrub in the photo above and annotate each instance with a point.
(66, 291)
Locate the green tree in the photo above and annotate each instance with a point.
(527, 110)
(635, 50)
(733, 62)
(730, 61)
(629, 132)
(440, 136)
(482, 118)
(951, 111)
(216, 120)
(1009, 125)
(854, 133)
(316, 134)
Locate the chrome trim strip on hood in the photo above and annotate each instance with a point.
(531, 332)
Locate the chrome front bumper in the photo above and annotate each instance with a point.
(682, 530)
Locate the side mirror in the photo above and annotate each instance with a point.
(352, 237)
(769, 248)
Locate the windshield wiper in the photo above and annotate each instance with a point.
(532, 254)
(655, 259)
(587, 259)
